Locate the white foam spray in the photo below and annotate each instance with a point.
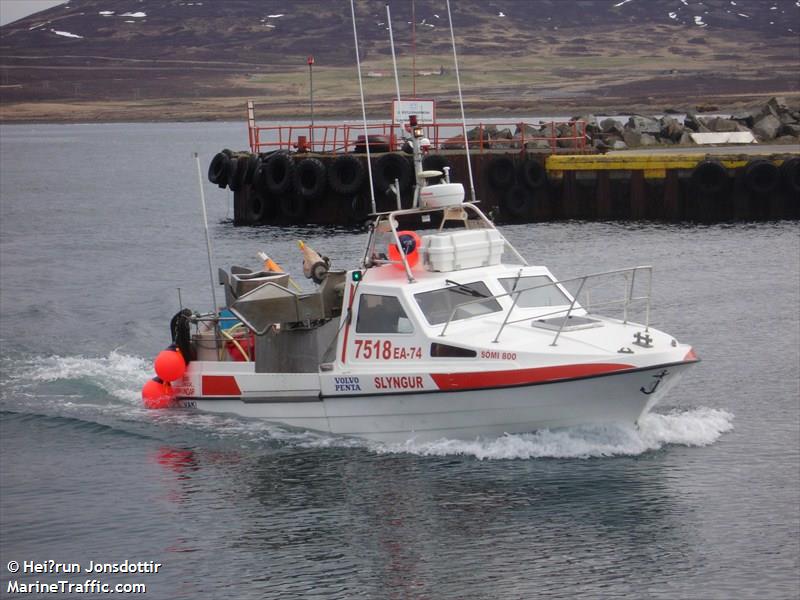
(122, 376)
(692, 427)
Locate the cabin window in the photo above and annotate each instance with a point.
(437, 305)
(549, 295)
(446, 351)
(381, 314)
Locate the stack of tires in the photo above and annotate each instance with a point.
(238, 171)
(280, 186)
(284, 187)
(755, 190)
(515, 184)
(347, 175)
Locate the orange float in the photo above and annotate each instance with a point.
(169, 364)
(157, 394)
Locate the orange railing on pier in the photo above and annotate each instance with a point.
(384, 136)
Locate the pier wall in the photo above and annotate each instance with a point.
(516, 186)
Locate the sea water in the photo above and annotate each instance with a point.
(101, 224)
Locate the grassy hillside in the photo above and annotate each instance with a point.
(188, 59)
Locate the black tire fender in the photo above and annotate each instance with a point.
(346, 175)
(293, 207)
(255, 208)
(532, 174)
(761, 176)
(260, 179)
(252, 164)
(790, 174)
(501, 173)
(356, 207)
(310, 178)
(517, 201)
(391, 167)
(278, 175)
(709, 177)
(219, 168)
(237, 172)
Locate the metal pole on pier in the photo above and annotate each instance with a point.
(311, 97)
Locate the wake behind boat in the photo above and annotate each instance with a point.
(431, 336)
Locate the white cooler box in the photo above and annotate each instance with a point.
(462, 249)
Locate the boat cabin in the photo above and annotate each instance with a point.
(446, 296)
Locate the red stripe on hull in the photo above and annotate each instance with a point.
(462, 381)
(220, 385)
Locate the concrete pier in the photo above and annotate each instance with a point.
(664, 184)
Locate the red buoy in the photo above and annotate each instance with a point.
(410, 243)
(169, 364)
(157, 394)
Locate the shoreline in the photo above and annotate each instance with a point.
(196, 110)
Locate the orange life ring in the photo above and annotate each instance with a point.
(410, 243)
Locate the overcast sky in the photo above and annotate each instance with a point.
(11, 10)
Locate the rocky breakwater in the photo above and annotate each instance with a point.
(774, 122)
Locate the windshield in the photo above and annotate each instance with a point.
(549, 295)
(437, 305)
(381, 314)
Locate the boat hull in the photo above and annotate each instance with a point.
(620, 397)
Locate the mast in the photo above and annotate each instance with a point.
(363, 107)
(461, 104)
(413, 50)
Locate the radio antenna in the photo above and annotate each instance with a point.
(461, 103)
(363, 108)
(208, 238)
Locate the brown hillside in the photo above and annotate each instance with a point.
(190, 59)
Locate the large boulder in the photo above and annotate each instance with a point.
(648, 140)
(767, 127)
(502, 134)
(475, 135)
(537, 144)
(610, 125)
(643, 124)
(745, 118)
(788, 117)
(792, 129)
(777, 104)
(601, 145)
(632, 138)
(691, 121)
(774, 107)
(590, 124)
(526, 130)
(720, 125)
(671, 129)
(588, 119)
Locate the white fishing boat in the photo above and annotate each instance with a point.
(445, 332)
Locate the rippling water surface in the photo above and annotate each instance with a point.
(101, 223)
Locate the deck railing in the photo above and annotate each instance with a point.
(552, 136)
(629, 275)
